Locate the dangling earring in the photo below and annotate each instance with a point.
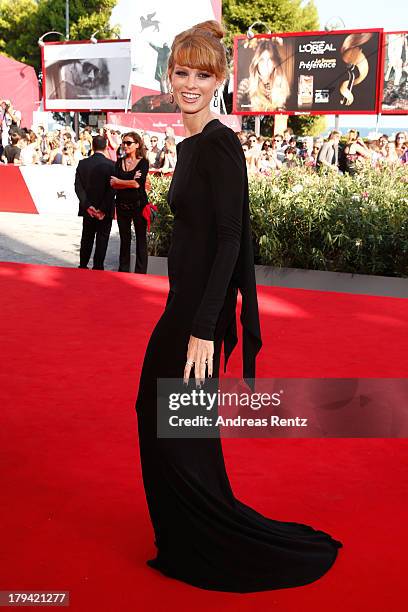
(216, 97)
(171, 97)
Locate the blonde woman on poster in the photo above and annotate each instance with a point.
(267, 87)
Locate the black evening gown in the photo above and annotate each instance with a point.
(203, 534)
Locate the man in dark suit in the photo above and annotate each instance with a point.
(96, 203)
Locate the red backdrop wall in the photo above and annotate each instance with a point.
(19, 83)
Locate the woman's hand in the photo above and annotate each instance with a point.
(114, 182)
(199, 351)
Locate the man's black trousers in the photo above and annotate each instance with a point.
(101, 229)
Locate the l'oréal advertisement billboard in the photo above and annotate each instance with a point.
(312, 72)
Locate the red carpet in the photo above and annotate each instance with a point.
(73, 513)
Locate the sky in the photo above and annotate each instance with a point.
(388, 14)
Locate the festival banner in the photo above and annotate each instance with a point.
(394, 91)
(152, 26)
(307, 73)
(86, 76)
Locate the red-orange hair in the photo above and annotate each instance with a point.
(200, 47)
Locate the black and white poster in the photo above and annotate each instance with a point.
(86, 76)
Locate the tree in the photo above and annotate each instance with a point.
(22, 22)
(278, 16)
(308, 125)
(17, 18)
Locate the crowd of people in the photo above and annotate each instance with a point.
(22, 146)
(264, 155)
(349, 154)
(120, 162)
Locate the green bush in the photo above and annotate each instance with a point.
(158, 239)
(302, 219)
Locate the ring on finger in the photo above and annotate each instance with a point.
(190, 363)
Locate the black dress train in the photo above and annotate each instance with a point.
(204, 535)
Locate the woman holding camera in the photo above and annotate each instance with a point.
(129, 180)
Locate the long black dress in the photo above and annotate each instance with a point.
(204, 535)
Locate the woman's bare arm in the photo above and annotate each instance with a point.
(117, 183)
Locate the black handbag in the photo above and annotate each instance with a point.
(130, 207)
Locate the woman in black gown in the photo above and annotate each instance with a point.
(203, 534)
